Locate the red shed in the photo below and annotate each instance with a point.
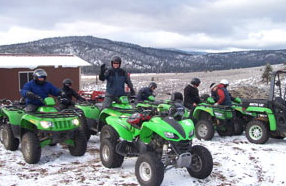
(16, 70)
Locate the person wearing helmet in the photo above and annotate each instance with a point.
(191, 94)
(116, 78)
(177, 110)
(68, 94)
(145, 92)
(221, 94)
(38, 89)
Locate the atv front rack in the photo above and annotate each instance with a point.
(54, 114)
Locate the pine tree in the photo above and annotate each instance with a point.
(266, 75)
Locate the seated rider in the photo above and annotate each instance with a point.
(177, 110)
(221, 94)
(69, 93)
(145, 92)
(38, 89)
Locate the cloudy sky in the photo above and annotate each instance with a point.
(200, 25)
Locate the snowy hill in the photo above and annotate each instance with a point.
(145, 59)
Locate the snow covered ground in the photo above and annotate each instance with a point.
(236, 161)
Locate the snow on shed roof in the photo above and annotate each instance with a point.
(33, 61)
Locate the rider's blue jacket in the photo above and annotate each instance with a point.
(41, 90)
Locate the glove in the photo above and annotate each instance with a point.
(65, 101)
(102, 68)
(132, 92)
(33, 96)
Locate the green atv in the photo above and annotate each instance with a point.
(209, 118)
(270, 120)
(35, 130)
(161, 142)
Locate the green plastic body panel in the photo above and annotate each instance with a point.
(268, 112)
(47, 109)
(13, 116)
(216, 112)
(202, 107)
(49, 101)
(151, 98)
(155, 125)
(59, 124)
(210, 100)
(123, 128)
(111, 112)
(90, 111)
(159, 126)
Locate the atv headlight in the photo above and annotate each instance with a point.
(191, 133)
(46, 124)
(75, 122)
(169, 134)
(218, 114)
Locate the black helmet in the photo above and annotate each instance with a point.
(177, 97)
(196, 81)
(40, 73)
(115, 59)
(153, 84)
(67, 82)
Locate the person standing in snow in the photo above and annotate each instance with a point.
(38, 89)
(221, 94)
(116, 78)
(191, 95)
(145, 92)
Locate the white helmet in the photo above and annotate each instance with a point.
(224, 81)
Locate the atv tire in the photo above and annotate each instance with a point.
(8, 139)
(149, 169)
(239, 125)
(202, 162)
(80, 144)
(257, 132)
(31, 148)
(108, 155)
(84, 127)
(205, 130)
(108, 131)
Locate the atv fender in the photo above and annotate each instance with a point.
(26, 124)
(199, 109)
(14, 117)
(123, 128)
(89, 111)
(268, 112)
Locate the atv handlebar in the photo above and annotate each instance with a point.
(3, 101)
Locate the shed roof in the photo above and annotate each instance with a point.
(33, 61)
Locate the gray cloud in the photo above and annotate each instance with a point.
(188, 24)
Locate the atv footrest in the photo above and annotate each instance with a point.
(126, 148)
(184, 160)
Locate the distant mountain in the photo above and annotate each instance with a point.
(144, 59)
